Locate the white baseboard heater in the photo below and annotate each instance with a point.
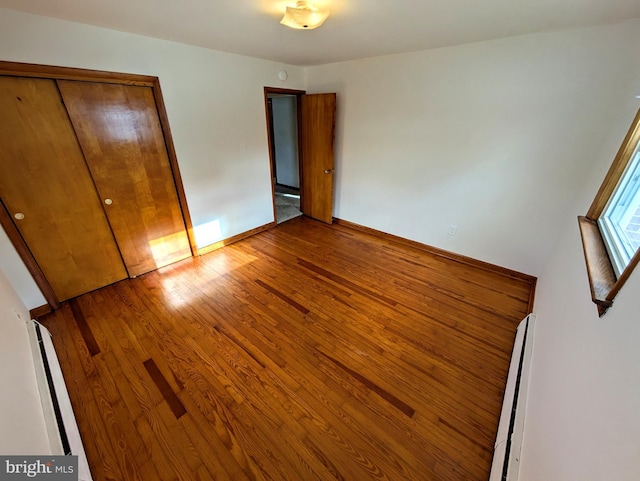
(506, 454)
(62, 429)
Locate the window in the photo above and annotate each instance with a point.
(611, 229)
(620, 220)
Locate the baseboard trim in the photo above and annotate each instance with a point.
(531, 280)
(40, 311)
(235, 238)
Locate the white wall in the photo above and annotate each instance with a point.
(285, 137)
(215, 104)
(583, 413)
(492, 137)
(510, 140)
(22, 427)
(13, 268)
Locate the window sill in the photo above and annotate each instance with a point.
(602, 279)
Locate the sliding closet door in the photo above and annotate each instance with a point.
(46, 187)
(120, 134)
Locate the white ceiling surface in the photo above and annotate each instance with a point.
(355, 29)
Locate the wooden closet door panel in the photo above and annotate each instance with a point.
(43, 176)
(120, 133)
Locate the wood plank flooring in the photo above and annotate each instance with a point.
(306, 352)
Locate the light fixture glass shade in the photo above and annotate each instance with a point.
(304, 16)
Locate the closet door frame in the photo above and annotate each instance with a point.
(16, 69)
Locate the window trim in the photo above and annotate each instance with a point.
(619, 248)
(602, 278)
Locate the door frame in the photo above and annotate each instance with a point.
(272, 160)
(18, 69)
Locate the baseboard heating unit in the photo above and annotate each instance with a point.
(62, 430)
(506, 454)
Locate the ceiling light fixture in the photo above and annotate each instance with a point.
(304, 16)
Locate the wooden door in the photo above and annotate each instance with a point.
(318, 117)
(120, 134)
(44, 179)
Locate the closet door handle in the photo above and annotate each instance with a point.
(108, 201)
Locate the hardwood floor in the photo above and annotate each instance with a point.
(306, 352)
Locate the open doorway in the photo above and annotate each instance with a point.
(282, 112)
(302, 144)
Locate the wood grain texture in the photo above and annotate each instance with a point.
(282, 296)
(173, 161)
(601, 275)
(40, 311)
(29, 261)
(291, 373)
(604, 285)
(123, 143)
(67, 73)
(603, 282)
(43, 176)
(616, 170)
(390, 398)
(475, 263)
(318, 118)
(87, 335)
(18, 69)
(176, 406)
(622, 279)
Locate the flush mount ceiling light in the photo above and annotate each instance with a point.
(304, 16)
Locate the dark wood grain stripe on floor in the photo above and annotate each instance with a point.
(346, 283)
(282, 296)
(229, 336)
(163, 386)
(305, 415)
(85, 330)
(387, 396)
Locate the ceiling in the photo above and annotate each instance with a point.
(355, 29)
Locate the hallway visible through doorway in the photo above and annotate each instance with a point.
(287, 203)
(283, 113)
